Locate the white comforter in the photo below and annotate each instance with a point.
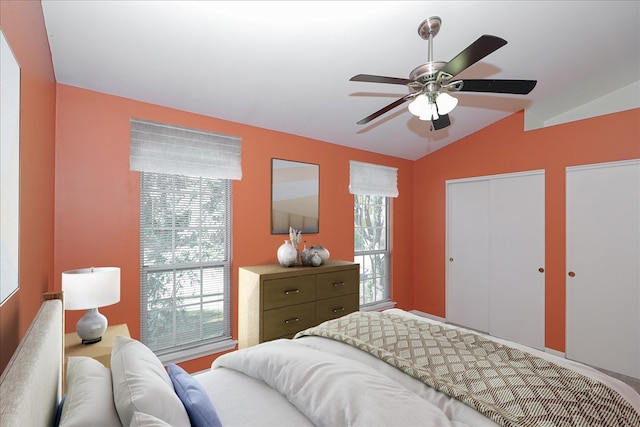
(333, 384)
(331, 390)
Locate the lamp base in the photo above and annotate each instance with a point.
(91, 326)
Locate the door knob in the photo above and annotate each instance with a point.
(572, 274)
(541, 270)
(450, 259)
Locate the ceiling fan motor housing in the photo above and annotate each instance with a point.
(427, 74)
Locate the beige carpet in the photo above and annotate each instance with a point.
(633, 382)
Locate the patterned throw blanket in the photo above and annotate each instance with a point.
(509, 386)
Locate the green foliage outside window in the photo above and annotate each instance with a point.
(371, 247)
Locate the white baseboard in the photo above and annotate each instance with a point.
(555, 352)
(427, 315)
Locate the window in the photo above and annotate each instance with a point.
(371, 232)
(372, 187)
(185, 237)
(185, 261)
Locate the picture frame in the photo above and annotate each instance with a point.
(9, 170)
(295, 193)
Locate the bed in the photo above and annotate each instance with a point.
(365, 369)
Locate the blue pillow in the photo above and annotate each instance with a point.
(56, 421)
(195, 400)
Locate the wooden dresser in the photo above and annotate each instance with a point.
(277, 302)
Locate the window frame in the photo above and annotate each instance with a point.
(202, 347)
(385, 301)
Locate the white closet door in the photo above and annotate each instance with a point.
(603, 266)
(495, 248)
(516, 292)
(467, 290)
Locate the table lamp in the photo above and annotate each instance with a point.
(88, 289)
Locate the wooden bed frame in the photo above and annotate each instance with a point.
(31, 384)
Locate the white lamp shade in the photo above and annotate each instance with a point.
(446, 103)
(420, 106)
(432, 114)
(87, 288)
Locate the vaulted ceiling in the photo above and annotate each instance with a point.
(286, 65)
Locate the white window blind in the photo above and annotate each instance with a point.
(162, 148)
(185, 263)
(373, 180)
(185, 237)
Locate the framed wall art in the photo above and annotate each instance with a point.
(295, 191)
(9, 169)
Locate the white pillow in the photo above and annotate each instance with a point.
(145, 420)
(141, 384)
(89, 397)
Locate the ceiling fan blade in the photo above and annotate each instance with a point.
(441, 123)
(379, 79)
(387, 108)
(517, 87)
(477, 50)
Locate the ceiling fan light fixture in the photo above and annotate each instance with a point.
(432, 114)
(420, 106)
(446, 103)
(423, 107)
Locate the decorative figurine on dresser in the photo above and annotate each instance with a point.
(289, 255)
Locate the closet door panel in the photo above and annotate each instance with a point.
(516, 292)
(467, 290)
(603, 259)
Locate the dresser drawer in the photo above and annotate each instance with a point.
(288, 320)
(337, 283)
(284, 292)
(333, 308)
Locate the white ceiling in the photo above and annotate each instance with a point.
(286, 65)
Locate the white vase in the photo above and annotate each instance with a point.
(305, 256)
(316, 260)
(287, 254)
(320, 250)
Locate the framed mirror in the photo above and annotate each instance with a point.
(295, 189)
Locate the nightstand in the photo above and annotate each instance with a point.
(101, 351)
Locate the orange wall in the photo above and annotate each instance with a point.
(502, 148)
(23, 26)
(97, 197)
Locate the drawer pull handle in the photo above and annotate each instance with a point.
(292, 291)
(335, 285)
(338, 310)
(295, 319)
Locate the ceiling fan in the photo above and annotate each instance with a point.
(430, 83)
